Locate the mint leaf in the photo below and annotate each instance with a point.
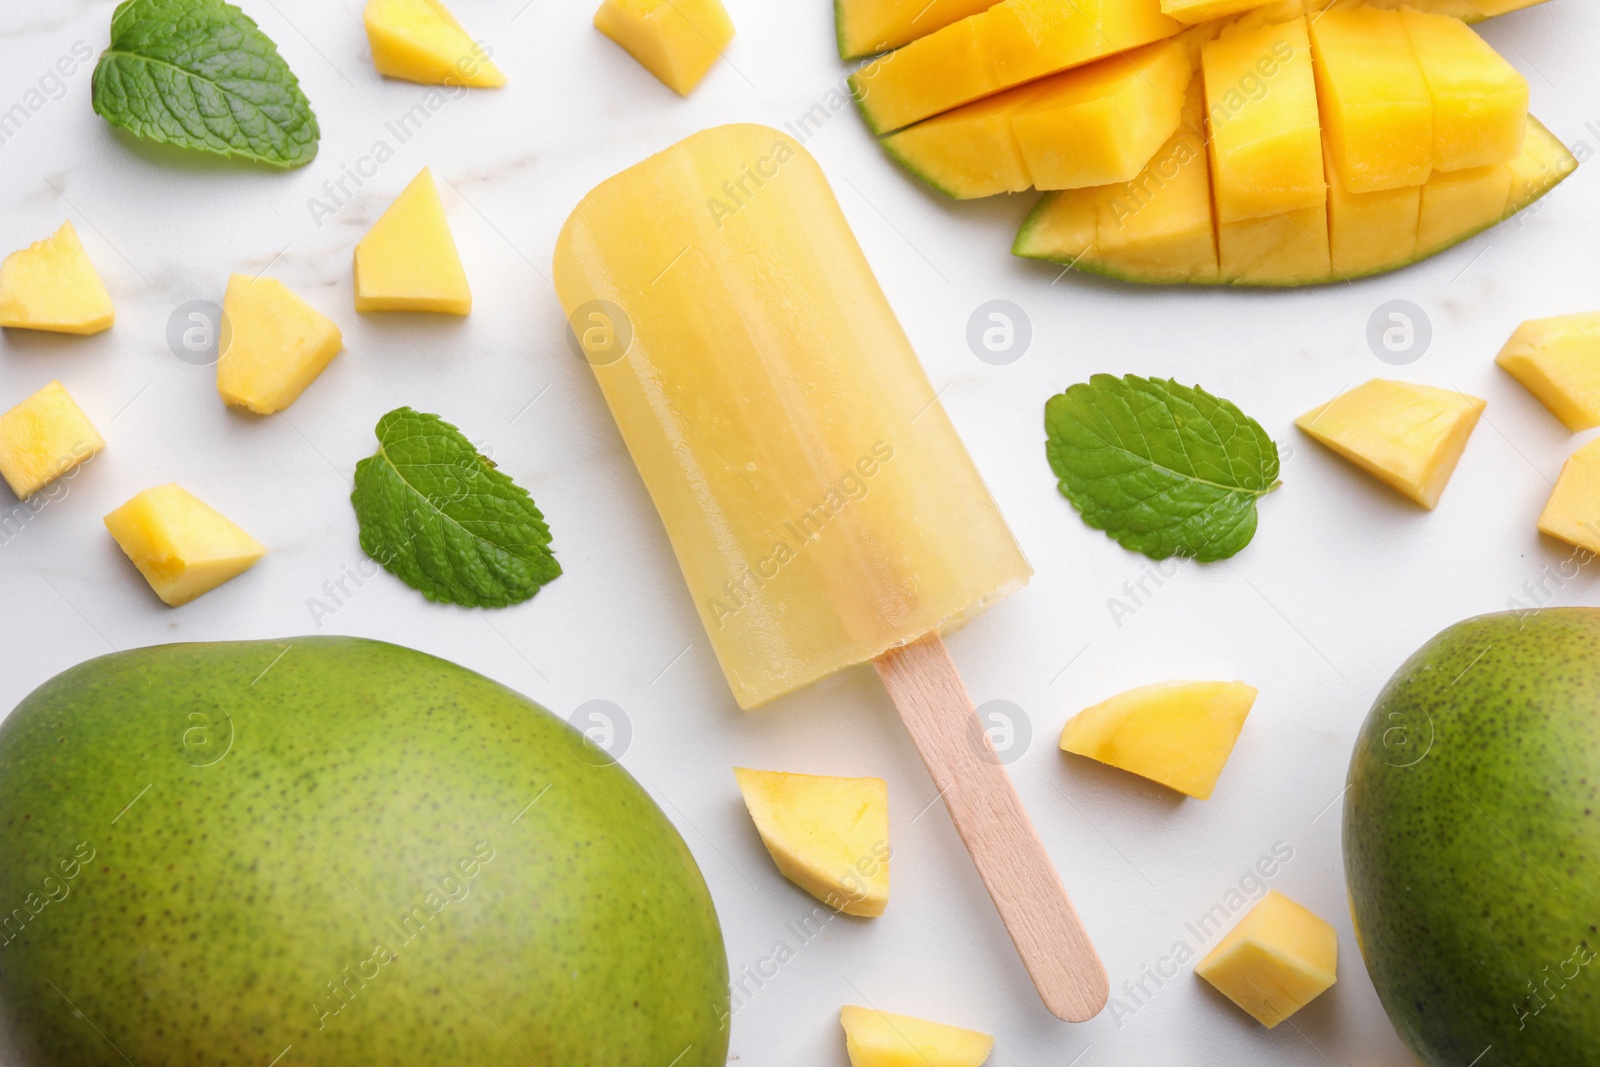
(439, 516)
(199, 74)
(1163, 469)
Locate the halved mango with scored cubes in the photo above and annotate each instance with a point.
(1343, 137)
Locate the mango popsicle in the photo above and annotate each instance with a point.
(819, 501)
(821, 506)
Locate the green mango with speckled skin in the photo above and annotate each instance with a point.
(333, 852)
(1472, 843)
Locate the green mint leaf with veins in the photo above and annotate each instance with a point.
(438, 515)
(199, 74)
(1163, 469)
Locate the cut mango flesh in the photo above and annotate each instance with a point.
(1278, 959)
(51, 285)
(1194, 12)
(43, 438)
(1480, 101)
(1558, 360)
(1261, 108)
(1573, 513)
(881, 1039)
(1376, 107)
(1408, 436)
(182, 546)
(830, 836)
(676, 40)
(867, 27)
(1370, 232)
(1055, 231)
(408, 260)
(275, 344)
(421, 41)
(1013, 42)
(1156, 227)
(1461, 200)
(1092, 125)
(1177, 733)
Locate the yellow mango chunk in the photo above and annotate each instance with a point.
(676, 40)
(1102, 123)
(1177, 733)
(1266, 136)
(1011, 43)
(881, 1039)
(1544, 164)
(1370, 232)
(1480, 101)
(1459, 203)
(1290, 248)
(1278, 959)
(274, 345)
(1194, 12)
(408, 260)
(1407, 436)
(1573, 512)
(867, 27)
(51, 285)
(829, 836)
(421, 41)
(970, 151)
(1157, 227)
(1376, 107)
(43, 438)
(1558, 360)
(181, 546)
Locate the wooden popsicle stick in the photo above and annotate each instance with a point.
(1055, 948)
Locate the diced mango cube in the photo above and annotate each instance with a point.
(1459, 203)
(274, 344)
(1480, 101)
(1370, 232)
(43, 438)
(1573, 513)
(421, 41)
(1158, 226)
(676, 40)
(830, 836)
(1376, 106)
(1407, 436)
(969, 151)
(182, 546)
(1278, 959)
(1290, 248)
(1558, 360)
(1194, 12)
(408, 260)
(51, 285)
(1266, 135)
(1102, 123)
(1177, 733)
(881, 1039)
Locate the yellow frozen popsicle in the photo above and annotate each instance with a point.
(821, 505)
(817, 497)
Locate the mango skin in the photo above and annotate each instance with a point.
(1472, 842)
(294, 810)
